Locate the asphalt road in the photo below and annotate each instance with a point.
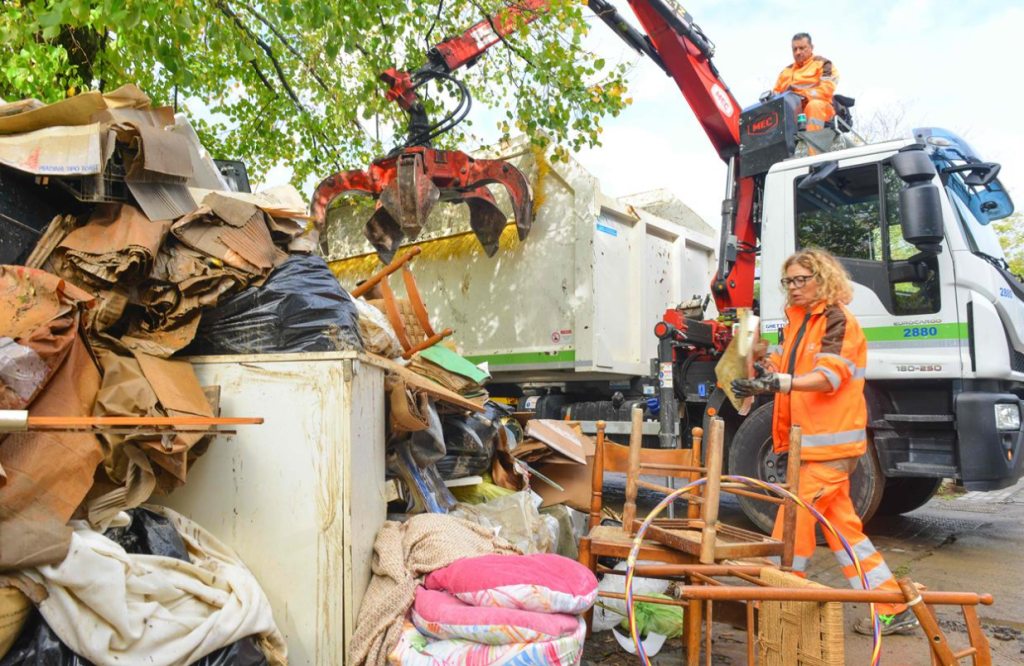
(972, 542)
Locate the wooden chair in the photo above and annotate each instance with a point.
(688, 540)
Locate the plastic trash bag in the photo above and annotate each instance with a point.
(516, 519)
(609, 612)
(470, 441)
(300, 308)
(425, 487)
(428, 446)
(149, 534)
(656, 618)
(38, 645)
(376, 332)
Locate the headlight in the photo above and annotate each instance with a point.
(1007, 417)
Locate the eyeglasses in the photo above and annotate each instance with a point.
(798, 281)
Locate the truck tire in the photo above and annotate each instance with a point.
(751, 454)
(903, 494)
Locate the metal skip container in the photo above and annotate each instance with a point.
(577, 300)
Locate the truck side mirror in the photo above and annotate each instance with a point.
(920, 200)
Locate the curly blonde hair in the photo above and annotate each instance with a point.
(833, 281)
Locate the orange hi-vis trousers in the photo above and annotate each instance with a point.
(828, 491)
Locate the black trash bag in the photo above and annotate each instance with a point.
(38, 645)
(300, 308)
(149, 534)
(470, 441)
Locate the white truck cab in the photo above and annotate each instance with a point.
(943, 314)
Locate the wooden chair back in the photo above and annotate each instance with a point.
(634, 460)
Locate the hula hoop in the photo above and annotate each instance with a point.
(763, 485)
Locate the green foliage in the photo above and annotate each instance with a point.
(296, 80)
(1011, 237)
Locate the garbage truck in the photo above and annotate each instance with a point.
(597, 311)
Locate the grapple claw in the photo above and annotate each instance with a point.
(485, 218)
(409, 184)
(383, 233)
(411, 195)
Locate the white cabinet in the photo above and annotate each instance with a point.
(302, 496)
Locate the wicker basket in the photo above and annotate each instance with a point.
(798, 633)
(413, 330)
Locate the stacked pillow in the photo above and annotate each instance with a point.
(496, 610)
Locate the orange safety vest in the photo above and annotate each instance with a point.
(816, 79)
(830, 341)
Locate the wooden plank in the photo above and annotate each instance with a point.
(428, 386)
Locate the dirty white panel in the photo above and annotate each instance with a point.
(660, 287)
(301, 497)
(618, 245)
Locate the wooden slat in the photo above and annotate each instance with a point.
(616, 459)
(793, 480)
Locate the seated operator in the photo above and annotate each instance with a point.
(813, 78)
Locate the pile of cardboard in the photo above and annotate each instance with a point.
(149, 238)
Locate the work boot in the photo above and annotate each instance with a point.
(901, 623)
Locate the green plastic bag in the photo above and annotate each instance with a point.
(657, 618)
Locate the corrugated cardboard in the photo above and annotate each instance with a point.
(118, 244)
(162, 201)
(250, 248)
(175, 385)
(48, 474)
(153, 154)
(575, 479)
(73, 111)
(562, 438)
(56, 151)
(281, 201)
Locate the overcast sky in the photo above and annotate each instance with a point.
(944, 63)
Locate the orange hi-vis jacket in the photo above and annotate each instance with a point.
(816, 79)
(827, 340)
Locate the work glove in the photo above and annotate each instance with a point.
(763, 382)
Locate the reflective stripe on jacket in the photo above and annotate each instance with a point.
(834, 423)
(816, 79)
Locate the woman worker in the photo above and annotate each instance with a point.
(819, 380)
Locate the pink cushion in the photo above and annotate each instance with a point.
(543, 583)
(442, 616)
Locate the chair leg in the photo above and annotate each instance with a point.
(590, 562)
(693, 618)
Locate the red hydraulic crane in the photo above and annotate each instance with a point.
(411, 179)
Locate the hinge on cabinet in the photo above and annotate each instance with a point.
(348, 369)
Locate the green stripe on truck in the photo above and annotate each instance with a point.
(890, 333)
(525, 358)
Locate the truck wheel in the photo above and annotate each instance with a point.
(904, 494)
(751, 454)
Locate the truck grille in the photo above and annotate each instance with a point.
(1016, 358)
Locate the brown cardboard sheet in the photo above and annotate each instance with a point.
(153, 154)
(175, 385)
(250, 248)
(162, 201)
(280, 201)
(73, 111)
(561, 437)
(48, 474)
(117, 245)
(574, 479)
